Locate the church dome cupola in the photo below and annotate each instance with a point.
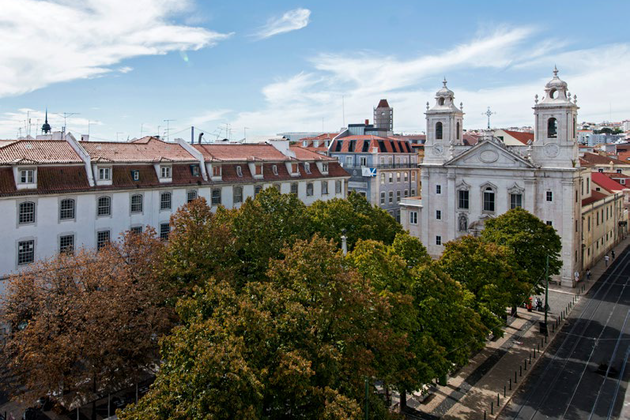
(444, 99)
(556, 89)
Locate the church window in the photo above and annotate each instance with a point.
(516, 200)
(441, 101)
(457, 132)
(438, 240)
(549, 195)
(488, 199)
(552, 128)
(438, 214)
(462, 199)
(413, 217)
(438, 189)
(438, 131)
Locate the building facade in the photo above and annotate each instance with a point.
(465, 185)
(56, 196)
(383, 169)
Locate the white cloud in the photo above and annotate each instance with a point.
(51, 41)
(29, 121)
(290, 21)
(521, 64)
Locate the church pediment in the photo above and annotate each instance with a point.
(488, 154)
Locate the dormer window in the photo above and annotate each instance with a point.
(274, 169)
(194, 170)
(135, 175)
(27, 176)
(105, 174)
(216, 170)
(258, 169)
(325, 167)
(307, 167)
(165, 172)
(304, 143)
(295, 168)
(239, 171)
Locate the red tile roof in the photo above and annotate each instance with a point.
(383, 104)
(605, 182)
(521, 136)
(595, 196)
(240, 152)
(144, 150)
(303, 153)
(381, 144)
(323, 136)
(470, 139)
(38, 151)
(615, 175)
(590, 159)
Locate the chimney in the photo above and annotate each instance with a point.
(367, 121)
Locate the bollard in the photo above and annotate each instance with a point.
(515, 380)
(492, 408)
(525, 365)
(504, 391)
(484, 414)
(530, 358)
(520, 371)
(545, 339)
(511, 381)
(498, 404)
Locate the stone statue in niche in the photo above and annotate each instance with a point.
(463, 223)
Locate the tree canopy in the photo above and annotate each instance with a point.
(530, 241)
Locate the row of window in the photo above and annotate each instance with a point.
(67, 206)
(26, 249)
(398, 194)
(400, 176)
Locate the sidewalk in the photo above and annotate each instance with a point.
(490, 373)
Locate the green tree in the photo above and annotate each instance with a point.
(296, 345)
(530, 241)
(355, 217)
(201, 245)
(485, 269)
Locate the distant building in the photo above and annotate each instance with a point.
(514, 138)
(383, 169)
(384, 116)
(318, 144)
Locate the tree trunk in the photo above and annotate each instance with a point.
(403, 401)
(514, 311)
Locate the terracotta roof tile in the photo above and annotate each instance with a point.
(605, 182)
(521, 136)
(38, 151)
(240, 152)
(591, 159)
(595, 196)
(302, 153)
(142, 150)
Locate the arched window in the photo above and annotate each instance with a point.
(66, 209)
(104, 206)
(457, 130)
(438, 131)
(552, 128)
(441, 101)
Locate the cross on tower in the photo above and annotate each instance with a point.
(488, 114)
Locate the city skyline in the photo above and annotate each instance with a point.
(278, 67)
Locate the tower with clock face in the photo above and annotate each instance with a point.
(444, 126)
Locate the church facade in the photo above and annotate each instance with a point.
(462, 186)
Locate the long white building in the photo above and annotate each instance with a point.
(57, 195)
(462, 186)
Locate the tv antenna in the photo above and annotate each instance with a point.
(168, 128)
(65, 116)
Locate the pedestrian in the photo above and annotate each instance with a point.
(613, 254)
(606, 258)
(577, 276)
(588, 274)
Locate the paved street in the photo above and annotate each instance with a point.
(583, 374)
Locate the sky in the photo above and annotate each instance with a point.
(121, 69)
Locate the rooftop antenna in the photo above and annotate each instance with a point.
(488, 114)
(168, 128)
(65, 119)
(245, 133)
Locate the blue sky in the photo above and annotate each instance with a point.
(278, 66)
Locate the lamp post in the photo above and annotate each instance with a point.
(543, 325)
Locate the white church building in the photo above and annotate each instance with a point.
(462, 186)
